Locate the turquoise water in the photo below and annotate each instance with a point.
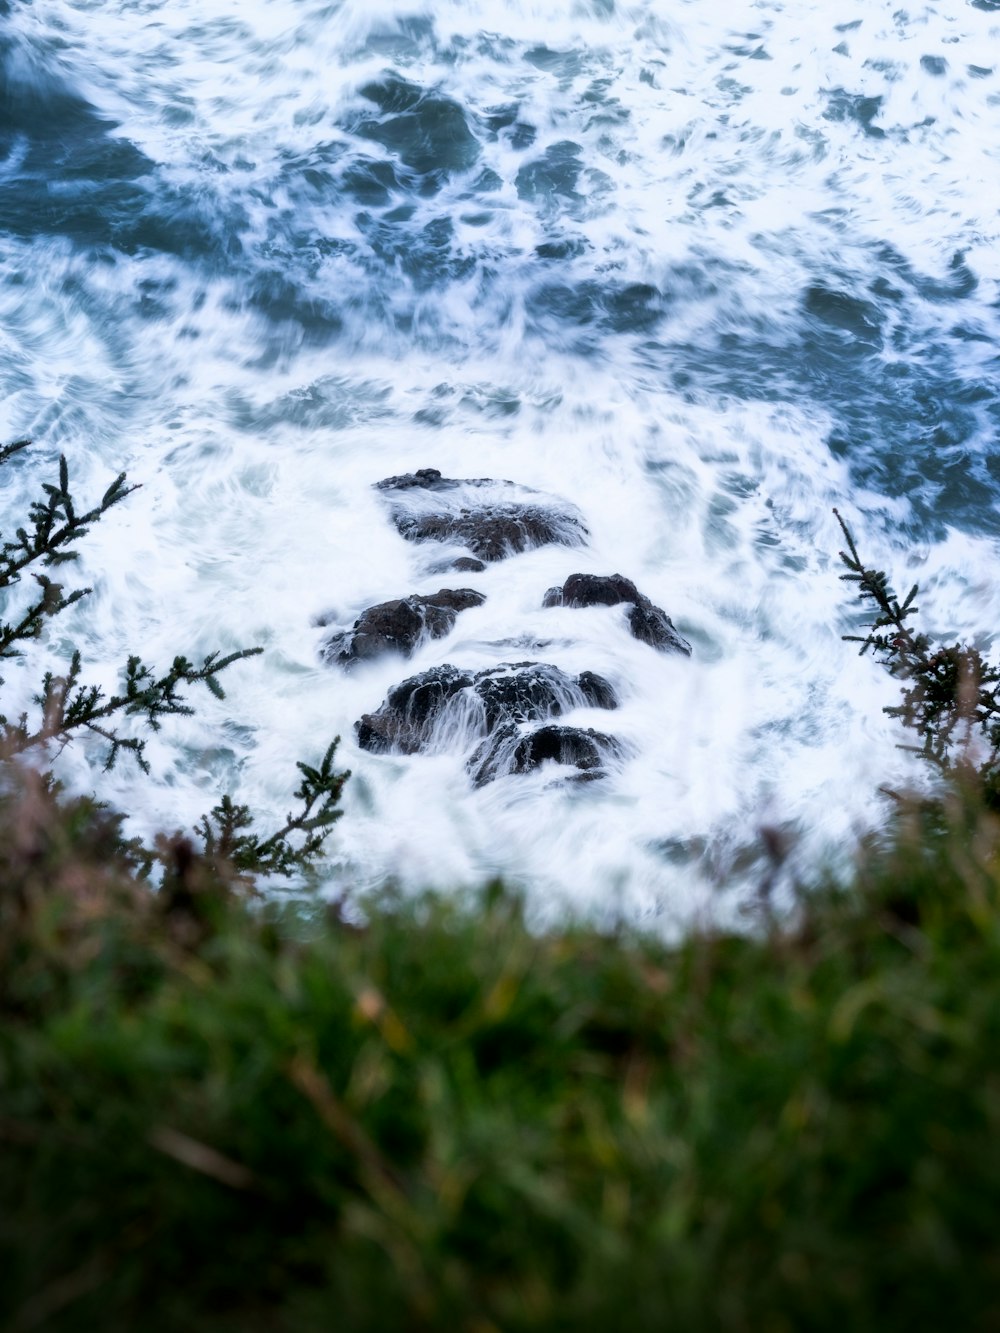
(703, 272)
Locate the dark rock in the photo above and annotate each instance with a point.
(599, 590)
(651, 625)
(464, 564)
(583, 748)
(424, 479)
(532, 691)
(477, 703)
(398, 626)
(493, 531)
(405, 721)
(509, 750)
(492, 519)
(648, 623)
(596, 690)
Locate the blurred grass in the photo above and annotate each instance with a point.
(220, 1114)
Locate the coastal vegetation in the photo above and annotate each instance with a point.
(226, 1109)
(66, 708)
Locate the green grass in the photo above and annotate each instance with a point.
(224, 1115)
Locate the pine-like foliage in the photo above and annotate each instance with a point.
(950, 694)
(52, 527)
(67, 706)
(228, 832)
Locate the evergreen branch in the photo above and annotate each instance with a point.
(54, 524)
(7, 451)
(67, 706)
(226, 830)
(51, 602)
(950, 692)
(874, 588)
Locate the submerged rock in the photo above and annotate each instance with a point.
(398, 626)
(446, 703)
(425, 479)
(511, 750)
(490, 519)
(648, 623)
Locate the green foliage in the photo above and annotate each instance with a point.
(228, 831)
(950, 695)
(53, 527)
(55, 524)
(67, 706)
(217, 1116)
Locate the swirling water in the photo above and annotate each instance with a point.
(702, 271)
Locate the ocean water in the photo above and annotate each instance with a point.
(703, 272)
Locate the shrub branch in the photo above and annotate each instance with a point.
(68, 707)
(951, 694)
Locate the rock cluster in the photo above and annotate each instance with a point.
(446, 705)
(504, 717)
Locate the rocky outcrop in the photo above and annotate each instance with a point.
(489, 519)
(446, 705)
(505, 718)
(398, 626)
(511, 750)
(648, 623)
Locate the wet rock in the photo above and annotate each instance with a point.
(593, 590)
(464, 564)
(446, 704)
(424, 479)
(491, 519)
(405, 721)
(511, 750)
(596, 690)
(532, 691)
(492, 531)
(648, 623)
(398, 626)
